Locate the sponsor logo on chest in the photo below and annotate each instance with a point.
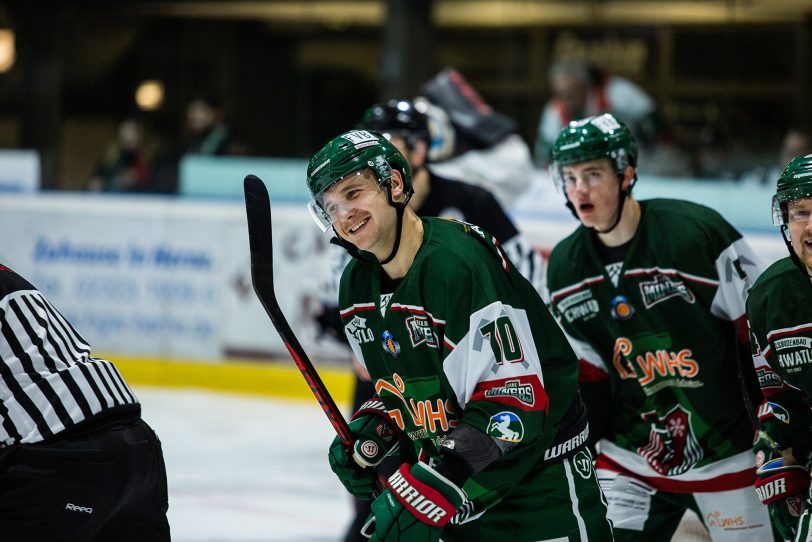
(793, 353)
(358, 330)
(663, 287)
(578, 306)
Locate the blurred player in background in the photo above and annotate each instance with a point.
(476, 385)
(779, 310)
(77, 462)
(406, 124)
(652, 295)
(582, 90)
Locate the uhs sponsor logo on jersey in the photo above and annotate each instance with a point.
(664, 287)
(420, 331)
(578, 306)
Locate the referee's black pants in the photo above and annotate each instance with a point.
(107, 485)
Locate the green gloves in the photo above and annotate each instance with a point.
(416, 505)
(783, 489)
(376, 436)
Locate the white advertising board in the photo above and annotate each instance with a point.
(162, 276)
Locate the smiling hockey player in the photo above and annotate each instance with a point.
(779, 310)
(474, 379)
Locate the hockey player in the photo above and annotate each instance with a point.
(406, 124)
(477, 391)
(779, 310)
(651, 294)
(77, 462)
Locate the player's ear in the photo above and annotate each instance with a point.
(628, 177)
(396, 184)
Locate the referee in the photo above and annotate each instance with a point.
(77, 463)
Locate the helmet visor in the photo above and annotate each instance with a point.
(324, 214)
(781, 215)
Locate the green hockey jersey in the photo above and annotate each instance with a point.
(779, 311)
(463, 338)
(664, 340)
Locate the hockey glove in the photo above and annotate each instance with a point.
(764, 448)
(783, 489)
(416, 505)
(376, 436)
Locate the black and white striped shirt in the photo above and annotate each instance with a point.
(49, 382)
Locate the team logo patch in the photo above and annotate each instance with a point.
(583, 464)
(358, 330)
(621, 308)
(673, 447)
(664, 287)
(506, 426)
(390, 345)
(420, 331)
(778, 412)
(768, 379)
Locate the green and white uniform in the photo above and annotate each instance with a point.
(464, 338)
(779, 311)
(659, 331)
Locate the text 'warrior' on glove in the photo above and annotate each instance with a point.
(375, 436)
(416, 505)
(783, 489)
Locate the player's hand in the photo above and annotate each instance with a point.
(416, 505)
(375, 437)
(783, 489)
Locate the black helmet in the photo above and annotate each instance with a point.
(398, 118)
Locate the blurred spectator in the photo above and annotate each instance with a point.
(124, 166)
(206, 130)
(581, 90)
(796, 142)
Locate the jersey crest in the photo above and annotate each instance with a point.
(672, 448)
(420, 331)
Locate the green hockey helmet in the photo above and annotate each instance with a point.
(794, 183)
(601, 136)
(348, 153)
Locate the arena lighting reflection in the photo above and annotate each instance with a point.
(150, 95)
(8, 53)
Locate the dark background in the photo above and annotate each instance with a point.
(732, 76)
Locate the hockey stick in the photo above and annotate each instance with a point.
(258, 211)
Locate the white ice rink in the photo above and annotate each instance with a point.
(245, 469)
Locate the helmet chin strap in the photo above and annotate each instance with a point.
(794, 257)
(400, 207)
(624, 193)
